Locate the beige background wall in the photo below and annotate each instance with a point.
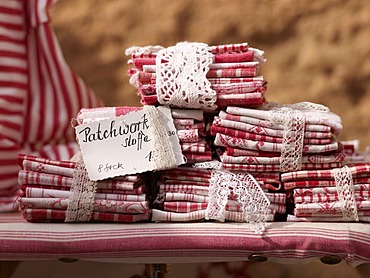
(316, 50)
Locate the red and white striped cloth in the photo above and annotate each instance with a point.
(39, 94)
(251, 140)
(233, 75)
(315, 197)
(46, 191)
(183, 196)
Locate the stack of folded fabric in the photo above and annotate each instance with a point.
(335, 195)
(183, 195)
(189, 124)
(46, 193)
(232, 74)
(275, 139)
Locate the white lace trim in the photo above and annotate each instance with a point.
(346, 194)
(213, 164)
(293, 122)
(81, 200)
(163, 154)
(138, 50)
(305, 105)
(254, 203)
(181, 76)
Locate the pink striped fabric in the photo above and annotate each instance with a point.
(39, 94)
(185, 243)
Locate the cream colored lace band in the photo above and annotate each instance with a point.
(163, 154)
(344, 183)
(181, 76)
(81, 200)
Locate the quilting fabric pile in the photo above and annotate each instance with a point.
(39, 93)
(330, 195)
(184, 194)
(195, 75)
(277, 139)
(191, 130)
(47, 186)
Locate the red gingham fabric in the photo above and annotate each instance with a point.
(39, 94)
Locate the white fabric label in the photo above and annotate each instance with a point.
(124, 145)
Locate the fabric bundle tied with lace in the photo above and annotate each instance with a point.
(61, 191)
(253, 201)
(195, 75)
(278, 138)
(330, 195)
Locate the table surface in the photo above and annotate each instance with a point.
(283, 242)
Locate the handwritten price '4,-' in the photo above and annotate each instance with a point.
(149, 156)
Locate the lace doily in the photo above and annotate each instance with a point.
(181, 76)
(253, 201)
(81, 200)
(163, 154)
(346, 194)
(293, 122)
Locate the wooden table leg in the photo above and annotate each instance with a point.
(7, 268)
(156, 270)
(364, 270)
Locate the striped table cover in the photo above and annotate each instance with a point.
(182, 242)
(39, 94)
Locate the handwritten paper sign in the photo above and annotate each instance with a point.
(123, 145)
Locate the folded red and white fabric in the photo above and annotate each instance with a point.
(47, 189)
(189, 123)
(278, 138)
(229, 71)
(183, 195)
(39, 93)
(340, 194)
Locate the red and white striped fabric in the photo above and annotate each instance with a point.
(183, 196)
(180, 243)
(39, 94)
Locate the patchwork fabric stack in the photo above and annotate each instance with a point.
(232, 75)
(184, 195)
(333, 195)
(210, 78)
(46, 194)
(190, 125)
(246, 159)
(276, 139)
